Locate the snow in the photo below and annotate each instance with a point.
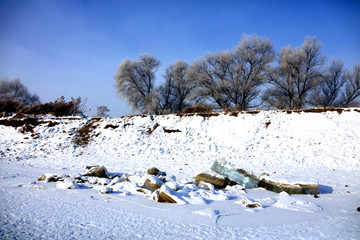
(67, 184)
(208, 212)
(294, 204)
(321, 148)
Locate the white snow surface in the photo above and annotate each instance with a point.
(292, 148)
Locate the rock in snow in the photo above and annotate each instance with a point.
(216, 181)
(67, 184)
(97, 171)
(103, 189)
(296, 146)
(248, 203)
(49, 177)
(296, 188)
(151, 182)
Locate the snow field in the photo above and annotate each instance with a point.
(291, 148)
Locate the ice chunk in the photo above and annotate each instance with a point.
(237, 175)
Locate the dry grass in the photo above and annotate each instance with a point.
(128, 124)
(52, 124)
(111, 126)
(83, 135)
(317, 110)
(267, 124)
(197, 109)
(171, 130)
(60, 107)
(27, 124)
(151, 130)
(208, 115)
(234, 113)
(253, 111)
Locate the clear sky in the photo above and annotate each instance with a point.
(73, 47)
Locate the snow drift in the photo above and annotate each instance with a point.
(287, 147)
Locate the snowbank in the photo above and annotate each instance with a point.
(290, 148)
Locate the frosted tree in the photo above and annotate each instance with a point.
(231, 79)
(252, 58)
(14, 90)
(328, 92)
(298, 73)
(209, 81)
(165, 97)
(351, 94)
(174, 93)
(134, 81)
(102, 111)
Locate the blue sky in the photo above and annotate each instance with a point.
(73, 47)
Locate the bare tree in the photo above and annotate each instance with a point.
(350, 96)
(135, 81)
(252, 58)
(176, 89)
(15, 91)
(298, 73)
(165, 96)
(327, 94)
(210, 82)
(102, 111)
(232, 79)
(79, 106)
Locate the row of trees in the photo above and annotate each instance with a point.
(14, 90)
(243, 78)
(15, 98)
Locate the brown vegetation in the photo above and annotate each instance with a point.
(27, 124)
(111, 126)
(171, 130)
(267, 124)
(151, 130)
(197, 109)
(57, 108)
(234, 113)
(10, 106)
(82, 135)
(252, 111)
(318, 110)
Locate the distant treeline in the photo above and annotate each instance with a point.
(250, 76)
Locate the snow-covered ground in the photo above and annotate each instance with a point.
(287, 147)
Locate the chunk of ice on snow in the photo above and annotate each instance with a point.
(226, 169)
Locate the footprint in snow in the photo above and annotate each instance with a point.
(294, 204)
(208, 212)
